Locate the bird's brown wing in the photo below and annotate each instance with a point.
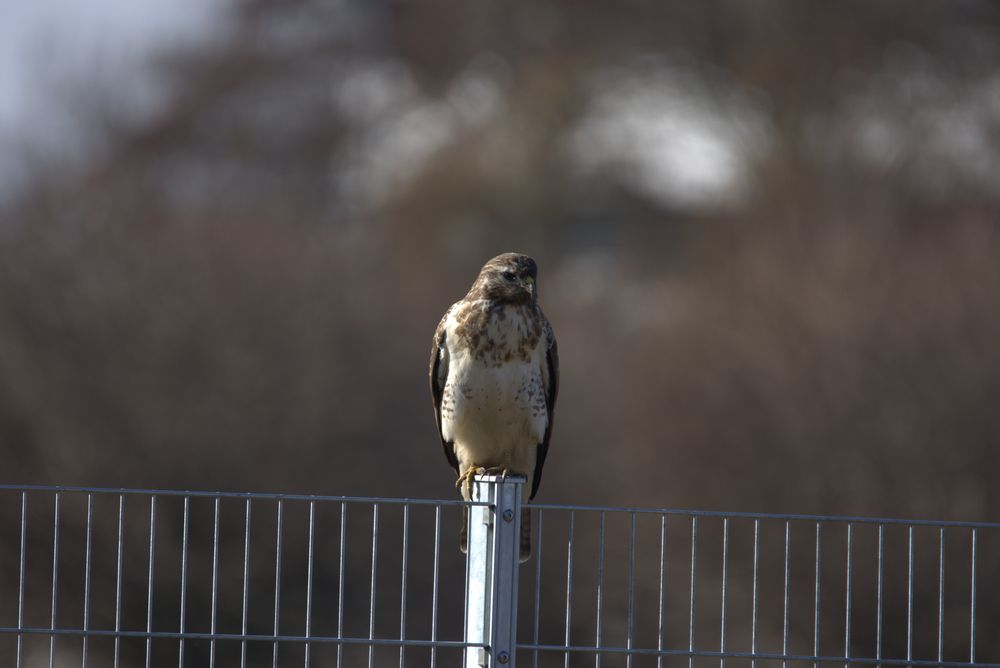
(551, 392)
(438, 378)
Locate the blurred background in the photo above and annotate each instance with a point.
(767, 235)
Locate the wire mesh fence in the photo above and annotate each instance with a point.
(141, 577)
(685, 587)
(99, 577)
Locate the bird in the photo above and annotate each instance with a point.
(494, 377)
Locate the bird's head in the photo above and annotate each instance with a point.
(509, 279)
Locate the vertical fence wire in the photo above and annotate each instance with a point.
(436, 583)
(215, 581)
(340, 592)
(402, 586)
(184, 577)
(86, 577)
(694, 574)
(538, 583)
(816, 592)
(149, 582)
(880, 586)
(660, 588)
(785, 608)
(756, 585)
(277, 579)
(909, 595)
(246, 583)
(972, 602)
(569, 586)
(940, 632)
(631, 590)
(20, 585)
(371, 600)
(725, 590)
(849, 590)
(118, 577)
(600, 590)
(55, 581)
(309, 580)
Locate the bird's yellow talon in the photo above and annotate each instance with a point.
(464, 482)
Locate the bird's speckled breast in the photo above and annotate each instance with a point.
(493, 405)
(497, 335)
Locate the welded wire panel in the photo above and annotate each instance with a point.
(129, 578)
(687, 588)
(134, 578)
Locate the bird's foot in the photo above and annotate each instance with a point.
(501, 471)
(464, 482)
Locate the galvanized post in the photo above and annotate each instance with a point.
(493, 559)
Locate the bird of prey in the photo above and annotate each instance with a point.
(494, 376)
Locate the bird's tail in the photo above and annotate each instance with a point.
(525, 535)
(525, 547)
(463, 533)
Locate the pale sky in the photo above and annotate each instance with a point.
(43, 42)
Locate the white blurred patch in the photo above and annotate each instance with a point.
(397, 128)
(374, 89)
(916, 116)
(665, 132)
(477, 95)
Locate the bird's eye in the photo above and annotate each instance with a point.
(508, 275)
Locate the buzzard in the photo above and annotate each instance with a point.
(494, 376)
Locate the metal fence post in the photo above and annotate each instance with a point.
(491, 581)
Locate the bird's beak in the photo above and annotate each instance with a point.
(529, 285)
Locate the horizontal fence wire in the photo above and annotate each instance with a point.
(126, 577)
